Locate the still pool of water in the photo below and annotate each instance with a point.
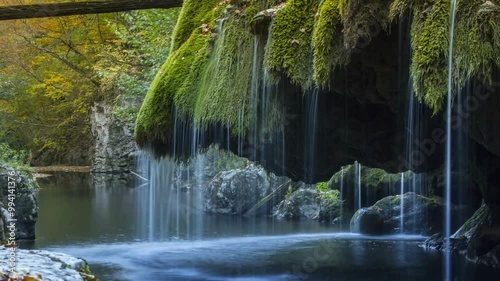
(102, 222)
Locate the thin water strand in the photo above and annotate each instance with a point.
(359, 186)
(342, 194)
(447, 274)
(402, 205)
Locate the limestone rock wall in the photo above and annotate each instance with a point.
(115, 148)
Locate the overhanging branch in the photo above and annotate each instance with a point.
(82, 8)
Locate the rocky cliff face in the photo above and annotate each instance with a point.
(26, 205)
(115, 149)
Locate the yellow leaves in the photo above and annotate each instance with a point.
(54, 87)
(54, 79)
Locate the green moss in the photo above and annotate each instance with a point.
(475, 45)
(207, 76)
(155, 118)
(193, 14)
(327, 42)
(364, 19)
(323, 186)
(401, 8)
(290, 50)
(224, 91)
(429, 33)
(195, 63)
(156, 114)
(371, 178)
(377, 178)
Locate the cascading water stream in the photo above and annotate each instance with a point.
(151, 218)
(359, 185)
(177, 209)
(311, 129)
(342, 194)
(402, 205)
(414, 148)
(254, 96)
(461, 146)
(447, 266)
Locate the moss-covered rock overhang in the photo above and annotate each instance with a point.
(206, 79)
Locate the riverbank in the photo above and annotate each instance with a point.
(61, 168)
(42, 265)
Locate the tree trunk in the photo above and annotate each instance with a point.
(82, 8)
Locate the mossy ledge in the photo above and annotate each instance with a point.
(207, 77)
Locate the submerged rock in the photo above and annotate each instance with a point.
(44, 265)
(234, 192)
(421, 215)
(437, 242)
(26, 205)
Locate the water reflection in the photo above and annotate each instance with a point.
(101, 215)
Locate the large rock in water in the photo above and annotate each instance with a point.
(26, 205)
(234, 192)
(421, 215)
(303, 204)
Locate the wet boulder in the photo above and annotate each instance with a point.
(370, 221)
(421, 215)
(331, 208)
(303, 204)
(234, 192)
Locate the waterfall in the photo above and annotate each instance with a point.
(414, 145)
(265, 101)
(254, 97)
(197, 192)
(311, 110)
(153, 211)
(342, 194)
(461, 145)
(357, 174)
(177, 210)
(283, 150)
(359, 185)
(402, 205)
(447, 274)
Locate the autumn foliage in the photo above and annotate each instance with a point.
(52, 70)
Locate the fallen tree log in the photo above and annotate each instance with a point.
(82, 8)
